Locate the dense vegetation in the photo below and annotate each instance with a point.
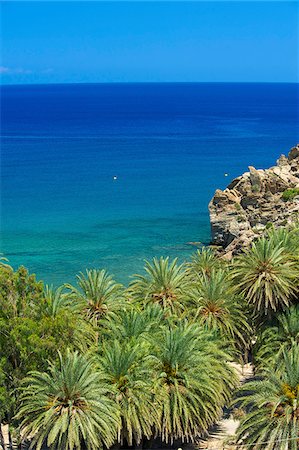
(290, 194)
(98, 364)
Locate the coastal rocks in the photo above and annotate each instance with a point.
(254, 202)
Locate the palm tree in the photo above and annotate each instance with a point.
(97, 294)
(272, 404)
(3, 263)
(278, 338)
(130, 372)
(195, 381)
(165, 284)
(134, 323)
(59, 311)
(55, 301)
(214, 304)
(203, 262)
(69, 407)
(266, 276)
(288, 238)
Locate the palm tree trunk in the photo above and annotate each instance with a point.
(148, 443)
(10, 440)
(2, 444)
(139, 446)
(115, 446)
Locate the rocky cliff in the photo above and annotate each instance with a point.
(254, 202)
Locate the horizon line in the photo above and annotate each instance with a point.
(145, 82)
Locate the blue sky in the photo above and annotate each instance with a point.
(53, 42)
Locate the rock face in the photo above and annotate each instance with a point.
(253, 202)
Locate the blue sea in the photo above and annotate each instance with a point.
(108, 175)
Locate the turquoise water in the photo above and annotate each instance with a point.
(169, 145)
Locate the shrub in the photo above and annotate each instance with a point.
(269, 225)
(290, 194)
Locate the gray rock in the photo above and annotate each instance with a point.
(241, 212)
(255, 179)
(282, 161)
(294, 153)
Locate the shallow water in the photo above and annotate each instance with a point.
(169, 145)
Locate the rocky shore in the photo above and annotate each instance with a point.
(254, 202)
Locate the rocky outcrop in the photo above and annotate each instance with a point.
(255, 201)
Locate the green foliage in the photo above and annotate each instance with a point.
(97, 294)
(195, 379)
(68, 406)
(272, 405)
(203, 262)
(287, 238)
(276, 339)
(214, 304)
(266, 276)
(6, 401)
(269, 225)
(133, 323)
(130, 371)
(289, 194)
(31, 333)
(164, 284)
(154, 360)
(54, 302)
(19, 292)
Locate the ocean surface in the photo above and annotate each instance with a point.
(169, 147)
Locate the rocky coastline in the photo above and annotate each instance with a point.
(254, 202)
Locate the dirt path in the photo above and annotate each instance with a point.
(4, 429)
(226, 428)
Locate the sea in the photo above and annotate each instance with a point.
(110, 175)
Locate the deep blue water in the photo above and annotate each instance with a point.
(169, 146)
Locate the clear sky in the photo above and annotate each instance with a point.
(50, 42)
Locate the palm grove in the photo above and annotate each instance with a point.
(99, 365)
